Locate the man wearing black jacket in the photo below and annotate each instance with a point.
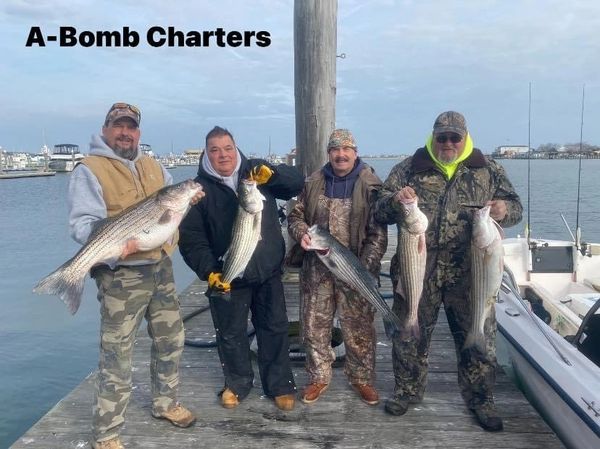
(205, 235)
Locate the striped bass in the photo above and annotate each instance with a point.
(147, 225)
(487, 265)
(412, 257)
(344, 265)
(246, 231)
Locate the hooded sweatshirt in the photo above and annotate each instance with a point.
(341, 186)
(85, 201)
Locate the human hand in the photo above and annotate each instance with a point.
(405, 195)
(305, 242)
(197, 197)
(260, 172)
(215, 283)
(131, 247)
(498, 209)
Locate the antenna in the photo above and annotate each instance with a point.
(577, 228)
(528, 225)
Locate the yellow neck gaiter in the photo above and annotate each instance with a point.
(449, 168)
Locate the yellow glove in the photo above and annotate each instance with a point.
(261, 174)
(214, 282)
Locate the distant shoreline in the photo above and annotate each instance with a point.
(402, 156)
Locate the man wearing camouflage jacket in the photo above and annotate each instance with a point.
(449, 177)
(340, 198)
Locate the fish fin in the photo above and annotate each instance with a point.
(499, 228)
(165, 218)
(422, 244)
(64, 285)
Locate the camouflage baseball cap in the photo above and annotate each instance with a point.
(120, 110)
(450, 121)
(341, 138)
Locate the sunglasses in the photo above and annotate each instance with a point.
(443, 138)
(131, 107)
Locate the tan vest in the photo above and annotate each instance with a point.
(121, 188)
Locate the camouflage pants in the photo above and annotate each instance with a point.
(127, 295)
(476, 372)
(320, 299)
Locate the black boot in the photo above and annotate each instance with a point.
(397, 405)
(488, 418)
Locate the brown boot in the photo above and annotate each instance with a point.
(367, 393)
(113, 443)
(312, 392)
(285, 402)
(229, 399)
(178, 415)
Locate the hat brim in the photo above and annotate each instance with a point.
(450, 129)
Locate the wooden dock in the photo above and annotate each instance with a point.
(338, 420)
(25, 174)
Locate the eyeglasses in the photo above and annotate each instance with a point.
(452, 137)
(131, 107)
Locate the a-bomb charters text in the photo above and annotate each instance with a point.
(156, 36)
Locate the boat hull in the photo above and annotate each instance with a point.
(553, 404)
(561, 391)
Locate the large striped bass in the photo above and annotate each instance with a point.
(487, 265)
(144, 226)
(344, 265)
(246, 231)
(412, 258)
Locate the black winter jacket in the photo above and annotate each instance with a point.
(205, 233)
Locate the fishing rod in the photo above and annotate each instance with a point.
(528, 224)
(577, 228)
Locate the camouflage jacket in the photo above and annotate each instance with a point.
(368, 238)
(478, 179)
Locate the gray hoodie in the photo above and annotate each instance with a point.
(85, 200)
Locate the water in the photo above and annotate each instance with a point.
(45, 352)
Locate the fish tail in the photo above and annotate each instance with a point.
(476, 341)
(412, 330)
(65, 284)
(392, 326)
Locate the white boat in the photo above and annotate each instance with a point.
(64, 157)
(549, 333)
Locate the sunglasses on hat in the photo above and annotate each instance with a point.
(126, 106)
(452, 137)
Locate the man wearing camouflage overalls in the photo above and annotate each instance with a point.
(340, 198)
(114, 176)
(449, 177)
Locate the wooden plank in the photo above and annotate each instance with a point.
(338, 420)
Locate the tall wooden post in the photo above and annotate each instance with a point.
(315, 44)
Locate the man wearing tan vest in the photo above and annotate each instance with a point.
(114, 176)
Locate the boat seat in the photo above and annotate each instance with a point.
(593, 282)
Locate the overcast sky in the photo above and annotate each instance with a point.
(406, 61)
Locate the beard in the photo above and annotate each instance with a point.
(129, 152)
(447, 159)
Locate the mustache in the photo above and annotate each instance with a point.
(341, 159)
